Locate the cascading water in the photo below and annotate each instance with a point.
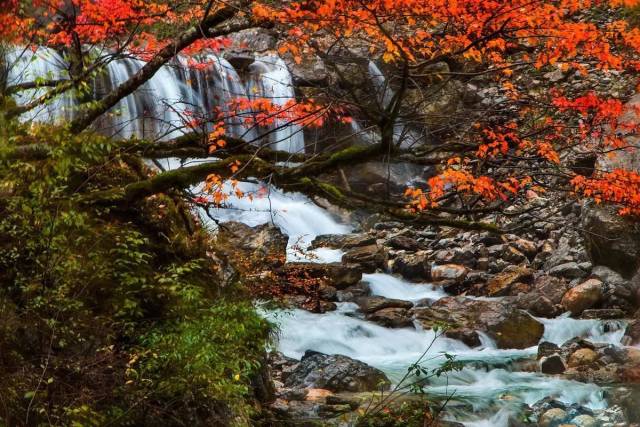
(159, 109)
(488, 391)
(165, 104)
(43, 64)
(270, 79)
(384, 93)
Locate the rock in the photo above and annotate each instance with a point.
(337, 275)
(552, 365)
(500, 284)
(412, 266)
(467, 336)
(584, 421)
(517, 330)
(570, 270)
(392, 317)
(336, 373)
(513, 255)
(538, 305)
(603, 313)
(582, 357)
(551, 287)
(611, 240)
(552, 418)
(546, 348)
(463, 256)
(342, 241)
(264, 241)
(372, 304)
(500, 319)
(453, 272)
(404, 243)
(583, 296)
(633, 332)
(527, 247)
(252, 40)
(369, 257)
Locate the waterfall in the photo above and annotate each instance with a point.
(172, 98)
(270, 78)
(402, 132)
(159, 109)
(26, 65)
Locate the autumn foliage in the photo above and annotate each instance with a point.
(503, 159)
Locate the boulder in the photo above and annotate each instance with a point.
(369, 257)
(570, 270)
(337, 275)
(403, 243)
(610, 239)
(392, 317)
(552, 365)
(584, 296)
(372, 304)
(342, 241)
(415, 266)
(265, 241)
(336, 373)
(551, 287)
(552, 418)
(448, 272)
(500, 284)
(584, 421)
(632, 333)
(582, 357)
(500, 319)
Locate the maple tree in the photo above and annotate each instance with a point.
(492, 157)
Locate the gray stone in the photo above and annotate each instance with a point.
(336, 373)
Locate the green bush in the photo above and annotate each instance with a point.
(112, 315)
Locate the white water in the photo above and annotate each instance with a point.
(402, 133)
(270, 79)
(165, 105)
(489, 382)
(389, 286)
(25, 65)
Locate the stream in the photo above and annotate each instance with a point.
(487, 391)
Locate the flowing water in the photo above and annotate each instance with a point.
(490, 387)
(487, 391)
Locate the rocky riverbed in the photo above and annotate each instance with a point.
(541, 323)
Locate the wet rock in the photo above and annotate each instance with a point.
(527, 247)
(404, 243)
(552, 418)
(582, 357)
(603, 313)
(501, 320)
(335, 373)
(463, 256)
(372, 304)
(583, 296)
(392, 317)
(551, 287)
(342, 241)
(337, 275)
(265, 241)
(369, 257)
(538, 305)
(633, 332)
(414, 266)
(500, 284)
(452, 272)
(552, 365)
(467, 336)
(570, 270)
(546, 348)
(611, 240)
(584, 421)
